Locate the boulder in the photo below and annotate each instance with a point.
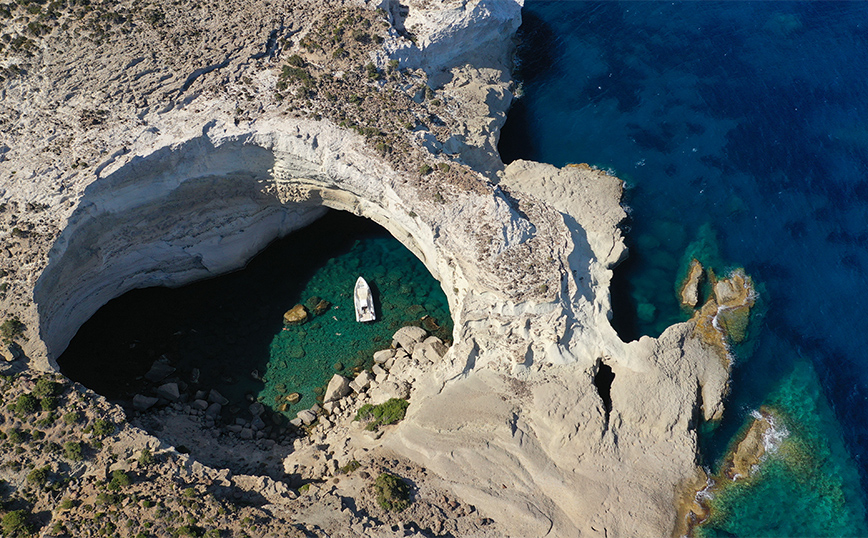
(338, 387)
(213, 410)
(216, 397)
(201, 405)
(408, 337)
(256, 409)
(307, 416)
(389, 389)
(378, 370)
(382, 356)
(169, 391)
(361, 382)
(431, 350)
(143, 403)
(159, 371)
(296, 315)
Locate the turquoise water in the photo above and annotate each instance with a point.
(231, 329)
(739, 128)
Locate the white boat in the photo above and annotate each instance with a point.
(364, 302)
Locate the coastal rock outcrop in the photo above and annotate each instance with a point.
(178, 172)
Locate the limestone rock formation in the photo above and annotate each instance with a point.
(690, 289)
(126, 165)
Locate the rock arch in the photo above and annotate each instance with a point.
(206, 206)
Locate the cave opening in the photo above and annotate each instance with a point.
(603, 381)
(227, 334)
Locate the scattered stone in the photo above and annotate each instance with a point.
(431, 350)
(381, 357)
(257, 424)
(169, 391)
(338, 387)
(213, 410)
(143, 403)
(201, 405)
(216, 397)
(306, 416)
(408, 337)
(296, 315)
(246, 433)
(256, 409)
(295, 422)
(234, 428)
(159, 371)
(361, 382)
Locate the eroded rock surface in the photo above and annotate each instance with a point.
(127, 164)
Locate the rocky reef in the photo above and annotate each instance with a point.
(124, 164)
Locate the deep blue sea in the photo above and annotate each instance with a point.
(741, 130)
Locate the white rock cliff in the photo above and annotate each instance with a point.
(190, 187)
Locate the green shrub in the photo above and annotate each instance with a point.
(46, 387)
(393, 494)
(295, 61)
(49, 403)
(67, 504)
(38, 476)
(103, 427)
(424, 170)
(389, 412)
(72, 417)
(350, 467)
(25, 404)
(119, 480)
(11, 329)
(15, 523)
(371, 69)
(146, 458)
(72, 451)
(15, 436)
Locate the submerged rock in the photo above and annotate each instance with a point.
(296, 315)
(321, 307)
(295, 397)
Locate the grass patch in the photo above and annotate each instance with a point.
(393, 494)
(388, 412)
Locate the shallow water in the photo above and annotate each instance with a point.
(231, 326)
(739, 128)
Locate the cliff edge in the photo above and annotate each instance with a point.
(159, 144)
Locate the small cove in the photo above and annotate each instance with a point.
(227, 333)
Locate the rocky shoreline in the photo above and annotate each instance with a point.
(124, 164)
